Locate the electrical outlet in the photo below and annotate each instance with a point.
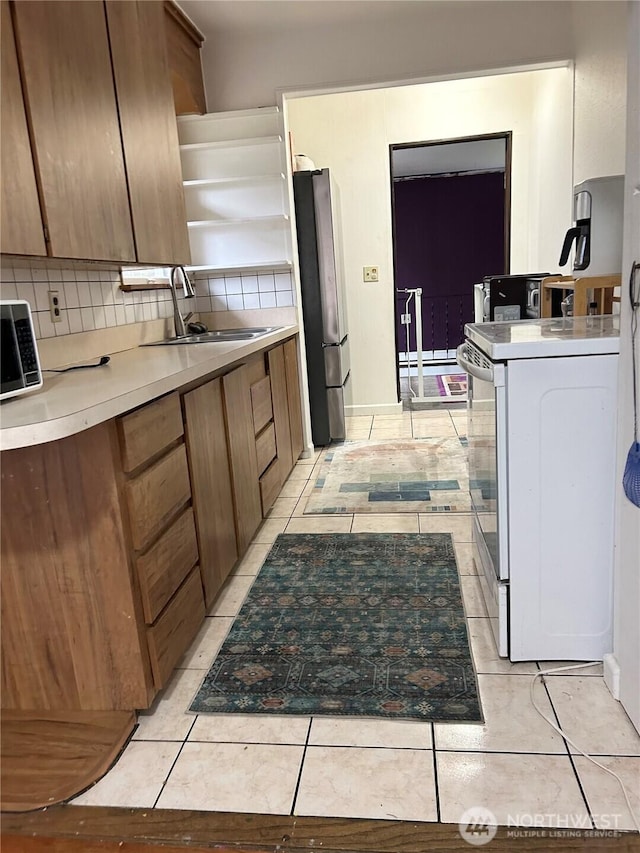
(369, 273)
(55, 305)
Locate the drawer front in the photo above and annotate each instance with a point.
(261, 404)
(146, 432)
(266, 447)
(256, 369)
(156, 494)
(270, 485)
(175, 629)
(167, 563)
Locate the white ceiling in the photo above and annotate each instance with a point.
(480, 155)
(218, 16)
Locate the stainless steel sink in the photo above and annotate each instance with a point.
(219, 336)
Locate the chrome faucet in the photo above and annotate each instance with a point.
(188, 292)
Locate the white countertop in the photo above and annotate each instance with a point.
(548, 338)
(71, 402)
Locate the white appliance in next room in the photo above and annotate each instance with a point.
(542, 467)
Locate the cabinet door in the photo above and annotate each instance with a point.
(71, 104)
(149, 130)
(21, 232)
(242, 453)
(293, 396)
(183, 47)
(72, 627)
(211, 485)
(278, 378)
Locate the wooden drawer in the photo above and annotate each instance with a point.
(266, 447)
(147, 431)
(256, 368)
(261, 404)
(166, 564)
(270, 485)
(175, 629)
(156, 494)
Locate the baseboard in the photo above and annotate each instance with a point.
(373, 409)
(612, 675)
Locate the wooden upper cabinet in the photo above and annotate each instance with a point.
(67, 77)
(21, 232)
(149, 131)
(183, 44)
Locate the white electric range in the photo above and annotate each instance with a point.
(542, 464)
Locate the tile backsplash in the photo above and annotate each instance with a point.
(91, 299)
(244, 291)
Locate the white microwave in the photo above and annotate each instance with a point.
(19, 363)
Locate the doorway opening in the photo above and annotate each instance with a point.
(450, 202)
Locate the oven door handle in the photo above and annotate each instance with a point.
(484, 373)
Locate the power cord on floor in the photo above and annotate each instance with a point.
(556, 728)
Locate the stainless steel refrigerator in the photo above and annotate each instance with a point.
(323, 311)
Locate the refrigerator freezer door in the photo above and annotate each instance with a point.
(329, 260)
(335, 402)
(336, 363)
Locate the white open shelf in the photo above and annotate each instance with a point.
(237, 124)
(236, 200)
(234, 175)
(209, 162)
(245, 179)
(258, 267)
(231, 143)
(265, 240)
(224, 223)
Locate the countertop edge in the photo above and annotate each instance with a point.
(42, 431)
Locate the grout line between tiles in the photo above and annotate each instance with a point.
(299, 779)
(571, 757)
(179, 753)
(435, 773)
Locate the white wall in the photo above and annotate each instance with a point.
(351, 132)
(285, 45)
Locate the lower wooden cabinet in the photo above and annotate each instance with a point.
(72, 628)
(172, 633)
(242, 454)
(294, 400)
(115, 541)
(165, 565)
(211, 484)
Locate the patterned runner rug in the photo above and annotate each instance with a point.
(349, 624)
(404, 475)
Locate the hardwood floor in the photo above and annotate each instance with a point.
(67, 829)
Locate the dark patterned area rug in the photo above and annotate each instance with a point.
(349, 624)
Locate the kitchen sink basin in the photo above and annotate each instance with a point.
(218, 336)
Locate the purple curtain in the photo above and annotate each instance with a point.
(449, 234)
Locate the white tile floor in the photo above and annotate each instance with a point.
(515, 765)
